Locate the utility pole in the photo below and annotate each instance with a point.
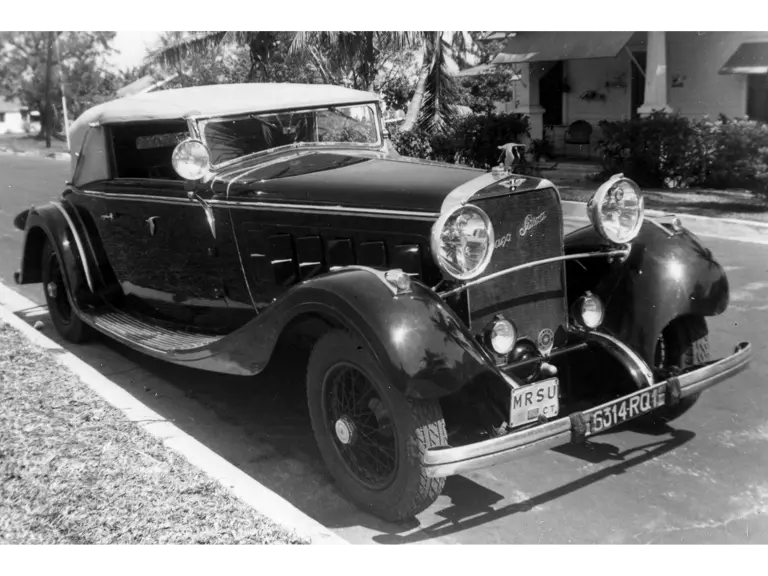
(63, 92)
(47, 113)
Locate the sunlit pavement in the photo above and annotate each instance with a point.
(702, 480)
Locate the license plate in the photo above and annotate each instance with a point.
(632, 406)
(530, 402)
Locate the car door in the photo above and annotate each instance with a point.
(160, 243)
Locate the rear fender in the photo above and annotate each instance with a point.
(419, 342)
(54, 223)
(666, 275)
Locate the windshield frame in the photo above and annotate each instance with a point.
(198, 124)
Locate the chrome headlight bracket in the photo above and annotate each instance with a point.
(613, 191)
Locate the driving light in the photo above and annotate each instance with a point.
(616, 210)
(588, 311)
(462, 242)
(191, 159)
(502, 336)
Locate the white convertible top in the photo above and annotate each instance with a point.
(216, 100)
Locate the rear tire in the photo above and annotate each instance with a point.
(59, 301)
(372, 438)
(683, 344)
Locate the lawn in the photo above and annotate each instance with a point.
(74, 470)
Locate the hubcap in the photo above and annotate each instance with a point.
(52, 290)
(345, 430)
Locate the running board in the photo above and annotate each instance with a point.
(133, 331)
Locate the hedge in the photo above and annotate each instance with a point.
(669, 150)
(472, 140)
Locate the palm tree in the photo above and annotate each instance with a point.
(350, 57)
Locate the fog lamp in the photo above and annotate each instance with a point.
(502, 336)
(588, 311)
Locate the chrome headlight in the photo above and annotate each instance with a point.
(616, 210)
(462, 242)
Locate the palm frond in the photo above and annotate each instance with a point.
(440, 92)
(197, 43)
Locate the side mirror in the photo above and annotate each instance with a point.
(191, 159)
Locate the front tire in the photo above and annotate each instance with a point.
(59, 301)
(372, 438)
(683, 344)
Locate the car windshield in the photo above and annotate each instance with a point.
(231, 138)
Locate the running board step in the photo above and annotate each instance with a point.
(126, 327)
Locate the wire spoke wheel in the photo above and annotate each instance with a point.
(361, 425)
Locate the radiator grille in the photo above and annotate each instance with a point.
(534, 299)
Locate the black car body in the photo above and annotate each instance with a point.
(454, 325)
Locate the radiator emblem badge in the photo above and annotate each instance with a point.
(546, 341)
(531, 222)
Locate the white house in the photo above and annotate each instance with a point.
(13, 117)
(592, 76)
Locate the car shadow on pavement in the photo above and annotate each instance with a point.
(472, 505)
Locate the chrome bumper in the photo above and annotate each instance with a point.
(575, 427)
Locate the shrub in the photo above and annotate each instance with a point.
(740, 155)
(668, 150)
(475, 139)
(657, 150)
(413, 143)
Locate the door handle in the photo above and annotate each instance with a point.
(109, 216)
(208, 211)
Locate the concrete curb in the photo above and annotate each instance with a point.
(724, 228)
(256, 495)
(37, 153)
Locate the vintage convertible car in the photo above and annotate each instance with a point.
(453, 325)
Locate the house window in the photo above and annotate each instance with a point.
(144, 150)
(2, 117)
(757, 97)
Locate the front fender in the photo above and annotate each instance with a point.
(666, 275)
(418, 340)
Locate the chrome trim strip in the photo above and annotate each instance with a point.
(79, 243)
(321, 209)
(136, 197)
(271, 206)
(445, 461)
(623, 253)
(639, 370)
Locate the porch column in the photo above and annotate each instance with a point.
(527, 100)
(656, 75)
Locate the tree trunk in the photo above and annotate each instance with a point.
(47, 128)
(370, 56)
(414, 108)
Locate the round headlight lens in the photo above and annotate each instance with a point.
(191, 159)
(616, 210)
(462, 242)
(502, 336)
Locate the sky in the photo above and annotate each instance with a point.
(132, 47)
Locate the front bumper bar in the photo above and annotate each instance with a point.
(446, 461)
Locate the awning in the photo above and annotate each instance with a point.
(483, 69)
(749, 58)
(552, 46)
